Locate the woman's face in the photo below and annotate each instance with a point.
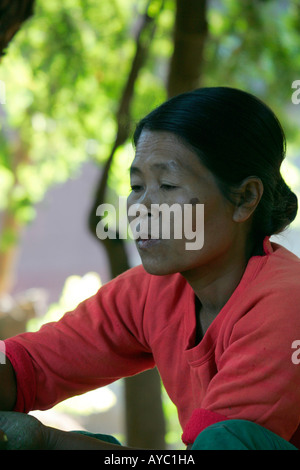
(165, 171)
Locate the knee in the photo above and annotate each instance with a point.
(238, 434)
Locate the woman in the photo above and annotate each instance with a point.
(218, 322)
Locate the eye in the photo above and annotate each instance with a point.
(136, 187)
(168, 187)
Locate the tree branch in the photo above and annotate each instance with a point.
(115, 250)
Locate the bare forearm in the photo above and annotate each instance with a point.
(8, 386)
(63, 440)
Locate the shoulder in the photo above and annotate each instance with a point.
(281, 273)
(271, 301)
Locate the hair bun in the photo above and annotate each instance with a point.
(285, 206)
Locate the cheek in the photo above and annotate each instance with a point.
(130, 200)
(218, 222)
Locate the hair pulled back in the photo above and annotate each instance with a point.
(235, 135)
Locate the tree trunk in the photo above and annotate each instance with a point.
(13, 13)
(145, 420)
(10, 226)
(9, 252)
(190, 34)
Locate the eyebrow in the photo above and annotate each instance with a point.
(169, 166)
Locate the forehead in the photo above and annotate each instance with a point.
(165, 152)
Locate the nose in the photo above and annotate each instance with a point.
(148, 198)
(143, 213)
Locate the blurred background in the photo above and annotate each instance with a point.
(76, 76)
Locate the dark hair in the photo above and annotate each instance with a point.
(236, 136)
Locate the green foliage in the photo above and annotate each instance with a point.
(255, 46)
(64, 74)
(173, 428)
(66, 68)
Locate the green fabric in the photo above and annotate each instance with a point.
(238, 434)
(101, 437)
(235, 434)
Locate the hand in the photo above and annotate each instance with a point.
(23, 432)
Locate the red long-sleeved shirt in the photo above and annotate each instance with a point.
(241, 369)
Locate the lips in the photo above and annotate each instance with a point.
(146, 243)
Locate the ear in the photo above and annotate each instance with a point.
(248, 196)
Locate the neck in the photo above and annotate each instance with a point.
(215, 281)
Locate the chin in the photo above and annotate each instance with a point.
(159, 269)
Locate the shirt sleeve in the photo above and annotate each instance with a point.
(99, 342)
(256, 380)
